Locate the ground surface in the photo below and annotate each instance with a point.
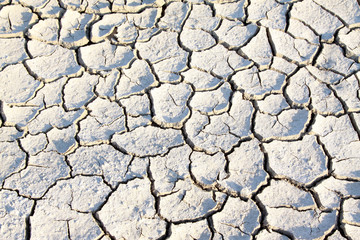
(179, 120)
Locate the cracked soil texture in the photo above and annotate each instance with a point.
(169, 119)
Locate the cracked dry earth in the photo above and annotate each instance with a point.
(200, 119)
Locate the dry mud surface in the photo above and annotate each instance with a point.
(198, 119)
